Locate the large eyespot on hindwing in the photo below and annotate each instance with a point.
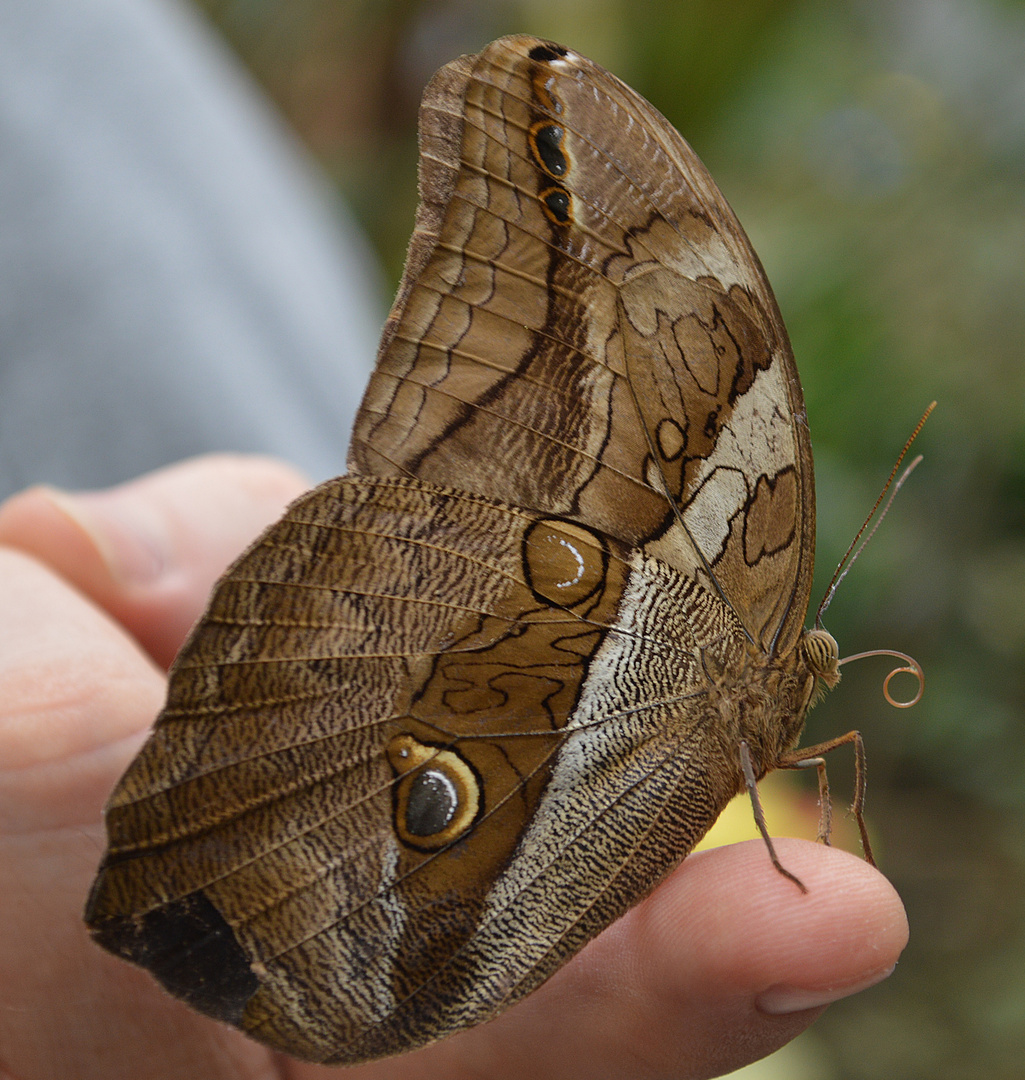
(437, 796)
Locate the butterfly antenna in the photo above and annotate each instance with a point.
(855, 548)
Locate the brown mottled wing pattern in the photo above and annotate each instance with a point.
(610, 352)
(459, 710)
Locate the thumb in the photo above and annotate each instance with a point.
(148, 551)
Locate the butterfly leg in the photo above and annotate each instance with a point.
(756, 806)
(825, 802)
(806, 757)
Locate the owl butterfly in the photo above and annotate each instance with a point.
(461, 708)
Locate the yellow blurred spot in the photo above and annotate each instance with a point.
(790, 810)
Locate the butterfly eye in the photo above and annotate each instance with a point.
(461, 708)
(823, 655)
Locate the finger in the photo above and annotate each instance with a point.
(59, 656)
(76, 696)
(732, 960)
(149, 551)
(723, 964)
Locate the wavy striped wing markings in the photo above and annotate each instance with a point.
(435, 855)
(545, 354)
(279, 869)
(195, 696)
(690, 254)
(416, 990)
(208, 670)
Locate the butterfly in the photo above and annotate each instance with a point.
(462, 707)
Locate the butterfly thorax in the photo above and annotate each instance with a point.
(767, 703)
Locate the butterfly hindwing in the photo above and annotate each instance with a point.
(379, 710)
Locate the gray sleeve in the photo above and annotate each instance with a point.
(174, 276)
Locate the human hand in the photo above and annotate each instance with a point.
(724, 963)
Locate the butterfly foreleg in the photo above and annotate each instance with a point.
(812, 756)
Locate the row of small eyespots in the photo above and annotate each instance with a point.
(546, 139)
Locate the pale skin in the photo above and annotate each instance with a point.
(723, 964)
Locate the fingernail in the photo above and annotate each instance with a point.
(126, 531)
(790, 999)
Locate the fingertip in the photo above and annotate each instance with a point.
(843, 933)
(728, 960)
(42, 521)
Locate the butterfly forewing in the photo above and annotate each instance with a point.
(624, 351)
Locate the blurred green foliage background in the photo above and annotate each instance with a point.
(875, 152)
